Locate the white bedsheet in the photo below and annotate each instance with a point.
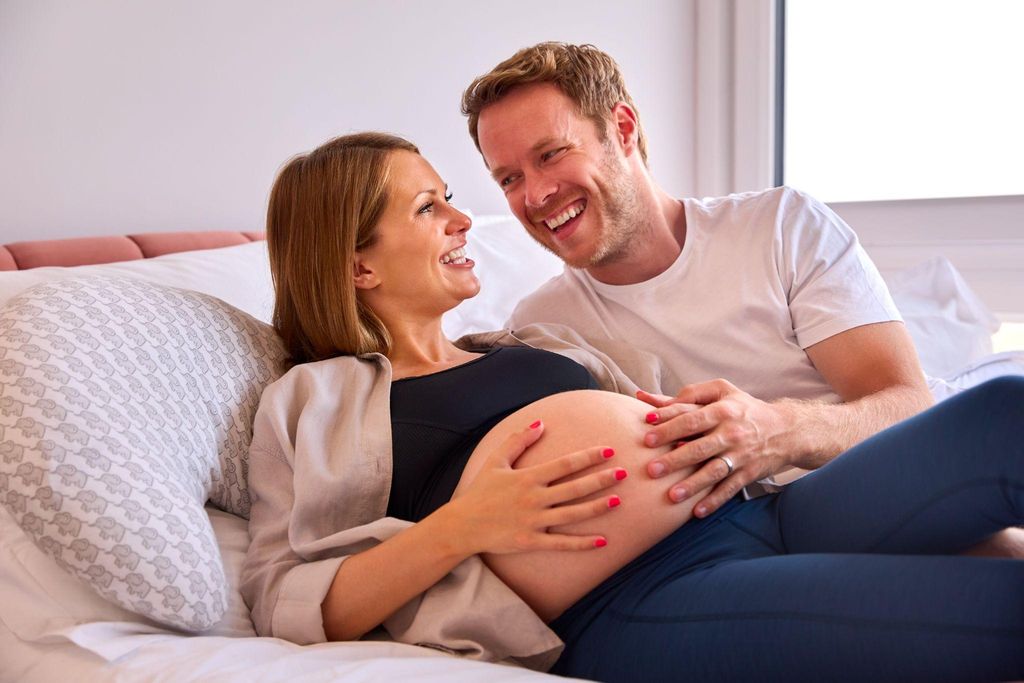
(54, 628)
(163, 656)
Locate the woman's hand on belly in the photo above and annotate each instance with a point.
(550, 581)
(504, 509)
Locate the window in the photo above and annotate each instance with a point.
(903, 99)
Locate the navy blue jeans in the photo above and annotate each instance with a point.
(849, 574)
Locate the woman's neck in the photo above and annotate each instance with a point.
(421, 348)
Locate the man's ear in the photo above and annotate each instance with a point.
(363, 274)
(624, 123)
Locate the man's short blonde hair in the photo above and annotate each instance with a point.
(587, 76)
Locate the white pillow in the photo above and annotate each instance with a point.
(40, 599)
(949, 324)
(239, 275)
(124, 407)
(510, 265)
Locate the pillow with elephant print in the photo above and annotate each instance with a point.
(124, 407)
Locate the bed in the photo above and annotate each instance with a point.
(84, 592)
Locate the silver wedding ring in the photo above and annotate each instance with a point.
(728, 463)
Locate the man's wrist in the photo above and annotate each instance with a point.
(808, 440)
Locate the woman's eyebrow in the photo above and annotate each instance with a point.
(429, 191)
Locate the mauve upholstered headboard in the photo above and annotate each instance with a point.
(84, 251)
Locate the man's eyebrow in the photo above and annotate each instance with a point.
(537, 146)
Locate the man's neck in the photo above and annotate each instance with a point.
(659, 235)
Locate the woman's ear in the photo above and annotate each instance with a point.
(363, 274)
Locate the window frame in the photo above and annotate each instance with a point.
(739, 146)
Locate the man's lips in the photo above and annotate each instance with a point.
(555, 220)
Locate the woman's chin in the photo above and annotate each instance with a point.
(470, 291)
(461, 295)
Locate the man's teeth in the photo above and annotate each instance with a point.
(559, 220)
(456, 256)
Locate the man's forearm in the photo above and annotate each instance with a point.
(821, 431)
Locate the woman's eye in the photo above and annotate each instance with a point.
(448, 197)
(426, 208)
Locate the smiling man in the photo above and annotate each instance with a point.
(762, 307)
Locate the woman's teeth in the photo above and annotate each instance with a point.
(560, 220)
(456, 256)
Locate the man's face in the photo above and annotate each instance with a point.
(571, 189)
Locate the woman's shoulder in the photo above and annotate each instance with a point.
(341, 372)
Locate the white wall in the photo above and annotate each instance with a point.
(136, 116)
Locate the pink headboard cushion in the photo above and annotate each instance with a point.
(83, 251)
(160, 243)
(7, 260)
(79, 251)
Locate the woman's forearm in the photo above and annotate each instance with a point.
(372, 585)
(503, 510)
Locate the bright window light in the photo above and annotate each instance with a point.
(904, 99)
(1010, 337)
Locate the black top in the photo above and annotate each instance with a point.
(438, 419)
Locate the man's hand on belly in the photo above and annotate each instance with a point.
(716, 424)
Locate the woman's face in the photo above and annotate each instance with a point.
(418, 264)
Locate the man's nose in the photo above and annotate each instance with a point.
(539, 188)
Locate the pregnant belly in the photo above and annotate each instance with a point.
(551, 581)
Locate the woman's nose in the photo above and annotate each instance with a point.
(460, 222)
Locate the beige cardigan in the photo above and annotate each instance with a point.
(319, 477)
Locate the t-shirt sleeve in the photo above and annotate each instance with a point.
(831, 283)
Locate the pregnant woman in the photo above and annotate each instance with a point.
(396, 476)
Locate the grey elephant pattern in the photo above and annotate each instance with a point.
(49, 499)
(9, 407)
(11, 452)
(84, 550)
(124, 407)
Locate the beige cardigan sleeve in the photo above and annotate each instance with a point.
(319, 475)
(283, 590)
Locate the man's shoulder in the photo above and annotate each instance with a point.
(772, 199)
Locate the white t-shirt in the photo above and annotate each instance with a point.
(761, 277)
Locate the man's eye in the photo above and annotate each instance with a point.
(549, 155)
(506, 181)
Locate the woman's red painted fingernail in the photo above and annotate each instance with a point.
(621, 474)
(608, 452)
(535, 425)
(600, 543)
(614, 502)
(652, 418)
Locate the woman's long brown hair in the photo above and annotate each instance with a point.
(324, 207)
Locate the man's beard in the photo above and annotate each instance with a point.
(621, 216)
(622, 223)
